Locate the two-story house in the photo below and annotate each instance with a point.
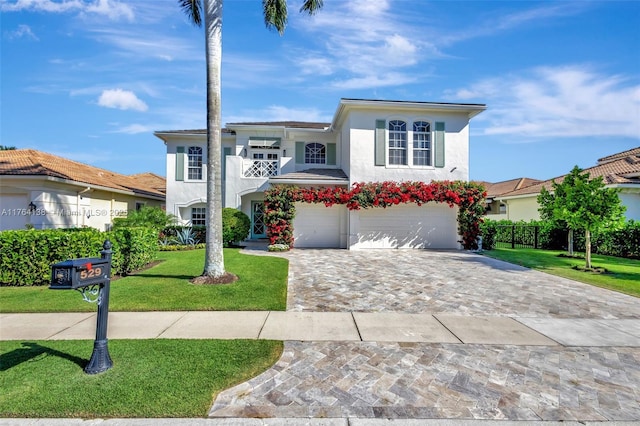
(366, 141)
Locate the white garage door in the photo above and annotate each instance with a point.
(432, 225)
(318, 226)
(13, 212)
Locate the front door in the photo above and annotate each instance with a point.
(258, 228)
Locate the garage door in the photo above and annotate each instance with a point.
(432, 225)
(318, 226)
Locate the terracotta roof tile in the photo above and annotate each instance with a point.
(151, 180)
(499, 188)
(29, 162)
(617, 169)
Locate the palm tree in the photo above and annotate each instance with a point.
(275, 17)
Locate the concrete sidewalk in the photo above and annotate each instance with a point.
(328, 326)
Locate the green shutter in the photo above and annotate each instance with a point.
(331, 154)
(438, 145)
(299, 152)
(180, 163)
(380, 142)
(225, 152)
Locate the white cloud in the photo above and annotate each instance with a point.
(23, 31)
(121, 99)
(569, 101)
(134, 129)
(112, 9)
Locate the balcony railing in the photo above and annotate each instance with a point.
(261, 168)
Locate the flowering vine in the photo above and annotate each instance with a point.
(469, 197)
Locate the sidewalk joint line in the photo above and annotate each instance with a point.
(91, 314)
(447, 328)
(357, 328)
(263, 324)
(185, 313)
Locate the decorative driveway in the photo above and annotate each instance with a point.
(443, 380)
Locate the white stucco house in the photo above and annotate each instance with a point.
(366, 141)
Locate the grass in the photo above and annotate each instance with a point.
(262, 285)
(622, 275)
(150, 378)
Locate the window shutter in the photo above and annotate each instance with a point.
(438, 145)
(180, 163)
(331, 154)
(299, 152)
(380, 142)
(225, 152)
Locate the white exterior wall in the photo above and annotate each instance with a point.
(62, 205)
(361, 142)
(185, 194)
(631, 200)
(523, 209)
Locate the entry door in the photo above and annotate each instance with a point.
(258, 228)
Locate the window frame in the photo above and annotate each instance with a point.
(399, 138)
(195, 163)
(322, 155)
(198, 221)
(426, 141)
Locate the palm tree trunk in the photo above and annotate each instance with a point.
(214, 258)
(587, 249)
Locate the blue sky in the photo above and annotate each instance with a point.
(91, 80)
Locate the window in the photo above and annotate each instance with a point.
(195, 163)
(315, 153)
(139, 205)
(397, 142)
(421, 143)
(198, 216)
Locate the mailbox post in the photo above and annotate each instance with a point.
(92, 277)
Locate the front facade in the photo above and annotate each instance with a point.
(367, 141)
(44, 191)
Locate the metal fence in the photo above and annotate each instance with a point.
(517, 236)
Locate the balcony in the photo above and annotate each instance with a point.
(260, 168)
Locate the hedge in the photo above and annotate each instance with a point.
(236, 227)
(26, 256)
(623, 242)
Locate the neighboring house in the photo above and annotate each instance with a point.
(497, 210)
(367, 141)
(46, 191)
(621, 170)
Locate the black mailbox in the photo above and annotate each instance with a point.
(77, 273)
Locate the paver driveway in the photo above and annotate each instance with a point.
(454, 381)
(456, 282)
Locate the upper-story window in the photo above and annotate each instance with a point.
(315, 153)
(195, 163)
(397, 142)
(421, 143)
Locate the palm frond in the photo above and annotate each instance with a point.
(193, 10)
(275, 14)
(311, 6)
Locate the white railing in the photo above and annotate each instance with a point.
(261, 168)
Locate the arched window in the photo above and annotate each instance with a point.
(195, 163)
(315, 153)
(397, 142)
(421, 143)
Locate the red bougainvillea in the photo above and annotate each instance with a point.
(469, 197)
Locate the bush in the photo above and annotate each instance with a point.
(26, 256)
(235, 226)
(146, 217)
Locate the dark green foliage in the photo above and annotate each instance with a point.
(147, 217)
(235, 226)
(26, 256)
(623, 242)
(170, 233)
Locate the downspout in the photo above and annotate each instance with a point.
(78, 198)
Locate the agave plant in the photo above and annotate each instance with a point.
(186, 237)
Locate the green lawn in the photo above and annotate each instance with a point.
(262, 285)
(623, 274)
(150, 378)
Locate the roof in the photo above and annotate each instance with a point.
(313, 175)
(499, 188)
(30, 162)
(287, 124)
(616, 169)
(151, 180)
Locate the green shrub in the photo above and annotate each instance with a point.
(146, 217)
(171, 233)
(26, 256)
(235, 226)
